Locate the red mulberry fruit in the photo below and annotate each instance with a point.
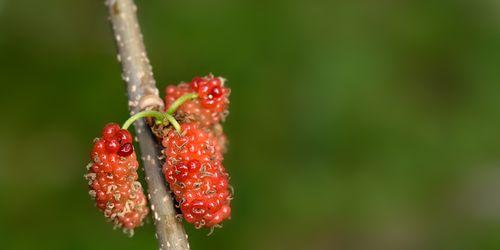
(211, 105)
(196, 175)
(112, 177)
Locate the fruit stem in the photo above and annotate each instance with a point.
(173, 121)
(181, 100)
(162, 118)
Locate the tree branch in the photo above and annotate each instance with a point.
(143, 94)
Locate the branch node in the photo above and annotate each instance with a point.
(151, 102)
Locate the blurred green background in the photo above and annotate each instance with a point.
(353, 125)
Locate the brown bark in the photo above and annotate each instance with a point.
(143, 94)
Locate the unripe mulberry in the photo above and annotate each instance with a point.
(196, 175)
(112, 177)
(211, 105)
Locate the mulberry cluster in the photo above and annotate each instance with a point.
(194, 153)
(194, 156)
(112, 178)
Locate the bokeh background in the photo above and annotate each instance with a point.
(353, 125)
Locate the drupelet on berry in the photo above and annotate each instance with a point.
(112, 178)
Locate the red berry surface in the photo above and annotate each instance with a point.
(196, 175)
(112, 177)
(211, 105)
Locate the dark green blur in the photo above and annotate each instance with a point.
(353, 125)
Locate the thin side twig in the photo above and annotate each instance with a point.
(143, 94)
